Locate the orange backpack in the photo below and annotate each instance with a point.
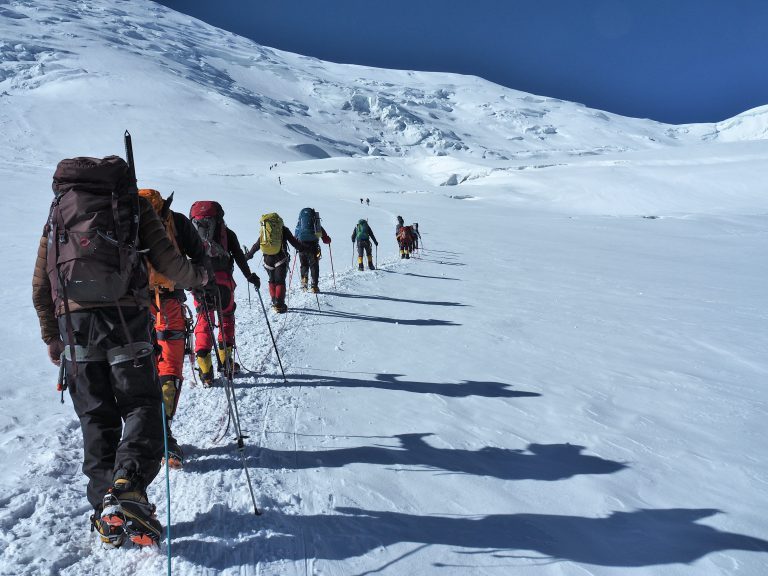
(157, 280)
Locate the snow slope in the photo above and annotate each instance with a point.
(568, 380)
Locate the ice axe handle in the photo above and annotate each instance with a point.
(61, 384)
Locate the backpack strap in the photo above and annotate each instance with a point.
(277, 264)
(59, 237)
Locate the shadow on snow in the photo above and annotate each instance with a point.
(419, 275)
(463, 389)
(391, 299)
(368, 318)
(624, 539)
(546, 462)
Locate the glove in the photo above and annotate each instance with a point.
(376, 243)
(55, 348)
(254, 279)
(327, 240)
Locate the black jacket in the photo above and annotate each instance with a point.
(238, 256)
(190, 245)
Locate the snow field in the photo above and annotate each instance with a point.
(568, 380)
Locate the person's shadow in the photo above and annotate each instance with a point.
(221, 538)
(546, 462)
(464, 389)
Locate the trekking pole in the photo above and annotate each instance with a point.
(333, 272)
(249, 293)
(210, 328)
(167, 483)
(293, 267)
(317, 299)
(272, 336)
(229, 361)
(206, 312)
(377, 256)
(229, 390)
(353, 253)
(189, 329)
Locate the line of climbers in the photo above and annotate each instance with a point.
(108, 288)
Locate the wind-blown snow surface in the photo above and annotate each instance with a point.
(569, 379)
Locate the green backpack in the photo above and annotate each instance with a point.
(271, 236)
(362, 230)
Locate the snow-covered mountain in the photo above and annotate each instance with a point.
(136, 60)
(569, 380)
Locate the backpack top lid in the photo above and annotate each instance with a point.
(206, 209)
(95, 175)
(154, 198)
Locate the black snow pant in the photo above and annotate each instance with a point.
(364, 245)
(117, 401)
(309, 262)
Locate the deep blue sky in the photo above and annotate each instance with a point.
(676, 61)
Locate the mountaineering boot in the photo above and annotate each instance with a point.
(407, 256)
(205, 368)
(175, 454)
(126, 506)
(304, 283)
(110, 535)
(280, 307)
(171, 386)
(315, 289)
(223, 355)
(370, 265)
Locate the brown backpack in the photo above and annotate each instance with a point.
(93, 231)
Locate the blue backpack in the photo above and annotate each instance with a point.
(308, 228)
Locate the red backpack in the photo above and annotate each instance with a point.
(208, 218)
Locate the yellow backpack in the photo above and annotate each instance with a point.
(271, 236)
